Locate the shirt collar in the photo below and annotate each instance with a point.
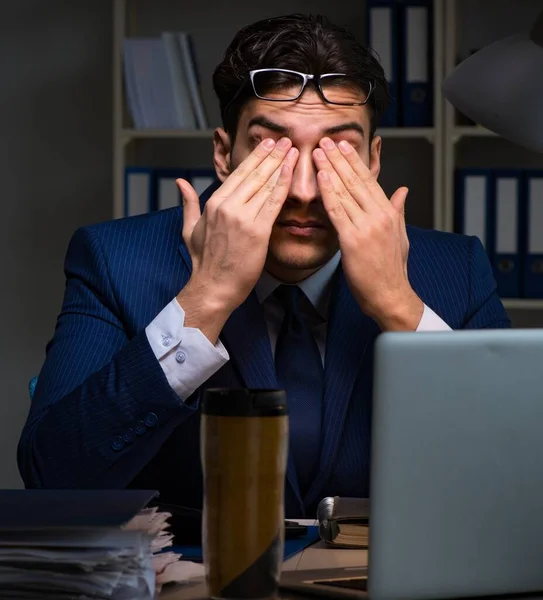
(316, 287)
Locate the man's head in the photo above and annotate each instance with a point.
(350, 110)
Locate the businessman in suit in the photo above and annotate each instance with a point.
(285, 273)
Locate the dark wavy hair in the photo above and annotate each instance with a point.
(307, 43)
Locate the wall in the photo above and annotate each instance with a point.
(55, 169)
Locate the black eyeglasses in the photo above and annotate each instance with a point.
(284, 85)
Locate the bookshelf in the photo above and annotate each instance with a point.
(424, 159)
(131, 145)
(523, 304)
(469, 27)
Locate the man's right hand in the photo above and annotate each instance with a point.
(228, 243)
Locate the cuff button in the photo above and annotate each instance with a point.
(151, 420)
(141, 428)
(117, 443)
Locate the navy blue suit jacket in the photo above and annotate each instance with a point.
(103, 414)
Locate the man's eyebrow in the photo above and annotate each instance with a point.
(352, 126)
(263, 121)
(267, 124)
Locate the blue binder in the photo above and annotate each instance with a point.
(291, 548)
(138, 191)
(382, 35)
(532, 198)
(506, 195)
(165, 190)
(417, 97)
(201, 179)
(474, 210)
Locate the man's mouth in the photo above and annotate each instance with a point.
(302, 228)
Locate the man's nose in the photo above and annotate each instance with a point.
(304, 187)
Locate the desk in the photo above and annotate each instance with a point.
(317, 556)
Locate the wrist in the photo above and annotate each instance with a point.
(203, 309)
(401, 315)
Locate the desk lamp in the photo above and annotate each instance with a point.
(501, 87)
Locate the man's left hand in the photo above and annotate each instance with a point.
(372, 236)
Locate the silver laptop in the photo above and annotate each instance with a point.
(457, 469)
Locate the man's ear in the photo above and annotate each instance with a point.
(222, 153)
(375, 156)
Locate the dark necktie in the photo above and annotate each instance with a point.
(300, 373)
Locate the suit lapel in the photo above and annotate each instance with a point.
(418, 279)
(246, 338)
(348, 334)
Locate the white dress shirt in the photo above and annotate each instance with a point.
(188, 358)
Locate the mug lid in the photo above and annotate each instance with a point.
(244, 402)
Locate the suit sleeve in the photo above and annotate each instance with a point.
(485, 309)
(103, 406)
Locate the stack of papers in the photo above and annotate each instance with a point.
(82, 564)
(85, 545)
(167, 566)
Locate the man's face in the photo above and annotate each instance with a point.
(302, 239)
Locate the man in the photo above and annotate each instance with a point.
(287, 271)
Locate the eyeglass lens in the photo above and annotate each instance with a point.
(280, 85)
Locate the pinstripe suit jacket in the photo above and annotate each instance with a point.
(103, 414)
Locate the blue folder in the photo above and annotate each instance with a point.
(474, 209)
(40, 508)
(382, 35)
(508, 229)
(532, 199)
(417, 106)
(138, 191)
(201, 179)
(165, 192)
(292, 547)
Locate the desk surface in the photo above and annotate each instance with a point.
(317, 556)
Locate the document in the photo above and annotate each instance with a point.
(95, 545)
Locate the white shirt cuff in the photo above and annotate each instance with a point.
(186, 356)
(431, 322)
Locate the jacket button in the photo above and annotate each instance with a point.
(151, 420)
(128, 436)
(117, 443)
(141, 428)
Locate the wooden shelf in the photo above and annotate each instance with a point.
(158, 134)
(386, 132)
(407, 132)
(523, 303)
(472, 131)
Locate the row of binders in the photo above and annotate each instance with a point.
(147, 189)
(162, 84)
(504, 209)
(400, 32)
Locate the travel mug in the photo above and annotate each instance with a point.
(244, 438)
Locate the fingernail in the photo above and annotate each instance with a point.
(283, 143)
(327, 143)
(344, 146)
(268, 143)
(291, 153)
(319, 154)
